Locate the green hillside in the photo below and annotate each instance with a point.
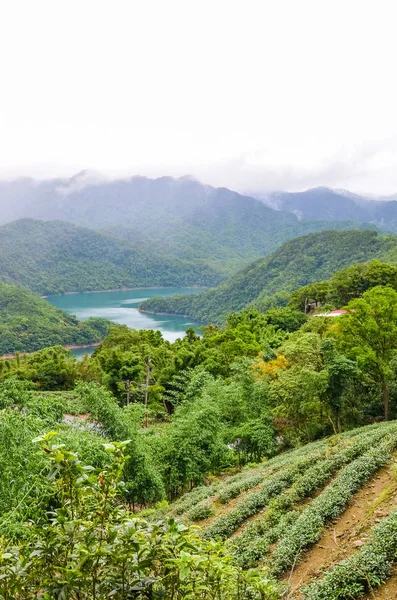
(296, 263)
(265, 433)
(29, 323)
(52, 257)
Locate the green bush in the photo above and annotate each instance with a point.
(225, 525)
(235, 489)
(192, 498)
(257, 537)
(200, 512)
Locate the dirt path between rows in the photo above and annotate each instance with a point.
(221, 509)
(368, 506)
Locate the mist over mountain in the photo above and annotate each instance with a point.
(140, 202)
(145, 206)
(180, 218)
(326, 204)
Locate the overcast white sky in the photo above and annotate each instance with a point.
(251, 94)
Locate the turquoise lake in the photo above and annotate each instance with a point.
(122, 307)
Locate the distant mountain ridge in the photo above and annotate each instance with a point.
(326, 204)
(96, 201)
(179, 220)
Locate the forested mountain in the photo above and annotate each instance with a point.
(53, 257)
(29, 323)
(322, 203)
(180, 218)
(313, 257)
(144, 206)
(325, 204)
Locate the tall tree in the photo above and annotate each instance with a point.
(368, 332)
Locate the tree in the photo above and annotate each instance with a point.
(297, 383)
(354, 281)
(287, 319)
(368, 333)
(195, 446)
(309, 297)
(342, 373)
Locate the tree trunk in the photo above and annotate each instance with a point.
(338, 423)
(385, 394)
(147, 389)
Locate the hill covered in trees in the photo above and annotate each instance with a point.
(29, 323)
(300, 261)
(53, 257)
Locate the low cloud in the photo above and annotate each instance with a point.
(369, 168)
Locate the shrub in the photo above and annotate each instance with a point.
(189, 500)
(90, 546)
(200, 512)
(235, 489)
(225, 525)
(259, 535)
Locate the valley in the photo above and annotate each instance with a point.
(198, 300)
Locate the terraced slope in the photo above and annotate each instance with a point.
(322, 518)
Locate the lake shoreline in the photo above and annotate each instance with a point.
(127, 289)
(10, 356)
(123, 307)
(163, 314)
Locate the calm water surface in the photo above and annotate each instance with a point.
(122, 307)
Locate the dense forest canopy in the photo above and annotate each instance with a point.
(268, 281)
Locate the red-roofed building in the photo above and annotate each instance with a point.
(333, 313)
